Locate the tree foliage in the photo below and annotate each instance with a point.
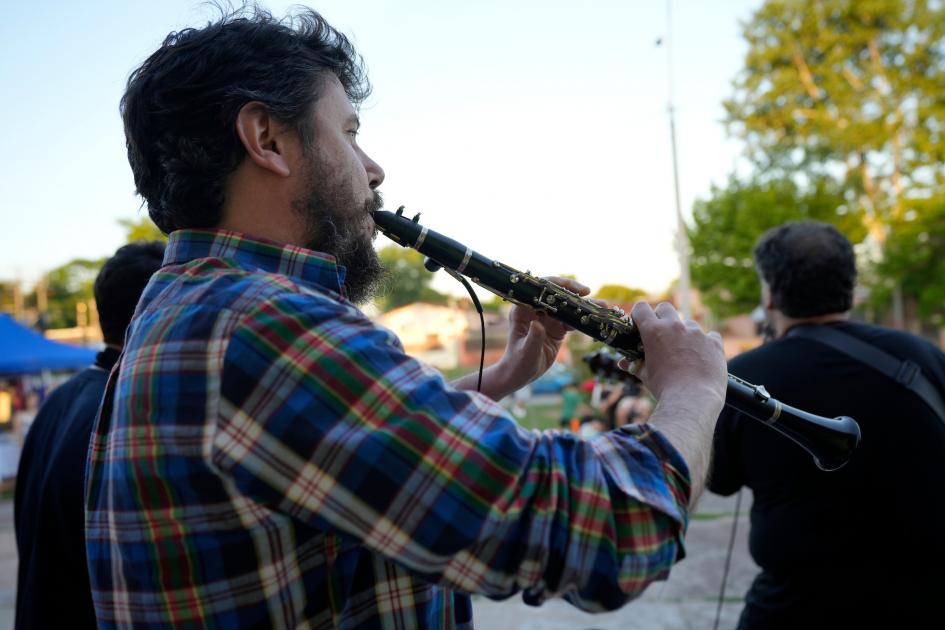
(143, 229)
(619, 294)
(67, 286)
(850, 89)
(847, 91)
(7, 296)
(408, 281)
(727, 225)
(915, 254)
(70, 284)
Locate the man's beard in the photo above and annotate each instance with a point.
(335, 225)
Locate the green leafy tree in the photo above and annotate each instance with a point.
(143, 229)
(852, 90)
(7, 296)
(847, 88)
(619, 294)
(727, 225)
(70, 284)
(67, 286)
(915, 252)
(408, 280)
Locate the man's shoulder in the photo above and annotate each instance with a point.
(211, 277)
(67, 393)
(217, 284)
(904, 346)
(224, 302)
(883, 336)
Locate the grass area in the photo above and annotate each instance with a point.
(711, 516)
(545, 413)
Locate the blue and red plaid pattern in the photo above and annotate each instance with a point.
(268, 457)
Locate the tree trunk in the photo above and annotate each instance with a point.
(898, 308)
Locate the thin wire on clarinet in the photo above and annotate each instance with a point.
(482, 326)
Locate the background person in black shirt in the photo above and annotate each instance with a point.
(53, 579)
(863, 546)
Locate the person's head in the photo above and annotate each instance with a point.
(119, 285)
(807, 269)
(249, 124)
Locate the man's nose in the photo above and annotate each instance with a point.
(374, 172)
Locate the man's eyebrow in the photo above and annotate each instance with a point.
(354, 120)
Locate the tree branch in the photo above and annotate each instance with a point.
(807, 79)
(868, 186)
(852, 79)
(878, 67)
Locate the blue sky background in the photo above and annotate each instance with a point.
(534, 131)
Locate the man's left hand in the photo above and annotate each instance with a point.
(532, 346)
(534, 340)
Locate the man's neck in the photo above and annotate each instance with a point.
(259, 205)
(782, 323)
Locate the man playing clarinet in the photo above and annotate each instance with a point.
(266, 456)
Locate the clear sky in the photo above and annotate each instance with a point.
(534, 131)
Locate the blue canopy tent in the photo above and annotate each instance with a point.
(25, 351)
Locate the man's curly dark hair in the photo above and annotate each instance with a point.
(809, 266)
(181, 105)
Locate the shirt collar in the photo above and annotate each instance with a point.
(255, 253)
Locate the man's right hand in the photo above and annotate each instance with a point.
(679, 355)
(685, 369)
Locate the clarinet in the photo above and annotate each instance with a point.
(830, 441)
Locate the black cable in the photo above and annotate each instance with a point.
(728, 559)
(433, 266)
(482, 326)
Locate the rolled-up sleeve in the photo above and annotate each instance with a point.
(323, 417)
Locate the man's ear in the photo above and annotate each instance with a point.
(263, 137)
(767, 298)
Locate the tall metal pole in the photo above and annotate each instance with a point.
(682, 238)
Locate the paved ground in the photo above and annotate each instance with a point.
(687, 600)
(7, 565)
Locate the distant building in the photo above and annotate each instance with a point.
(739, 334)
(87, 336)
(447, 337)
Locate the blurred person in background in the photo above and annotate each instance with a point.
(862, 546)
(572, 407)
(633, 407)
(53, 576)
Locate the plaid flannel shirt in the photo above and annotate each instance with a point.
(267, 457)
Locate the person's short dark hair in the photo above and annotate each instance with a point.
(809, 266)
(180, 107)
(119, 284)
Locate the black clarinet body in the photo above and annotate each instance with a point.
(831, 441)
